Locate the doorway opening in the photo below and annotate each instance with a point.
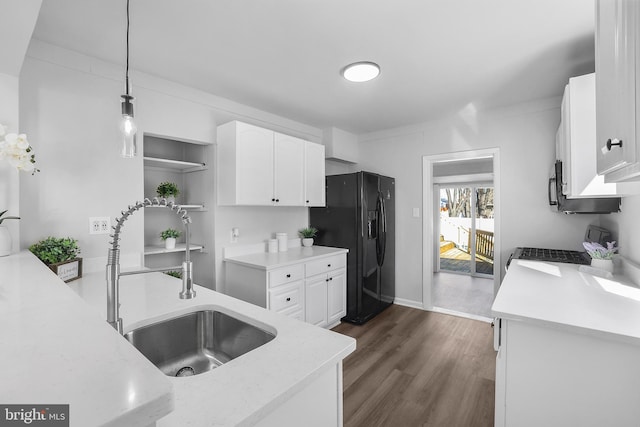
(460, 241)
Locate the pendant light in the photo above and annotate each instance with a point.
(127, 125)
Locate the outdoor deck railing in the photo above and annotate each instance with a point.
(484, 243)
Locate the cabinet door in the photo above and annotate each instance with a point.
(562, 141)
(316, 301)
(336, 297)
(254, 165)
(615, 83)
(501, 371)
(288, 170)
(314, 180)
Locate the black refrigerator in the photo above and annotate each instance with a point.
(360, 216)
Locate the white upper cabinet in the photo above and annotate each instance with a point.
(314, 177)
(288, 170)
(258, 166)
(616, 81)
(575, 140)
(254, 161)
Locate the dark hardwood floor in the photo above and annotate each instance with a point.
(418, 368)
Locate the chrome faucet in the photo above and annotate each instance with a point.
(113, 261)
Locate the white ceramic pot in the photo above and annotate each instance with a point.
(5, 241)
(307, 241)
(170, 243)
(602, 264)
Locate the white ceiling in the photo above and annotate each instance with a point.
(284, 56)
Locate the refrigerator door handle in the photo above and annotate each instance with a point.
(381, 241)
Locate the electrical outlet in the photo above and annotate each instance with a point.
(99, 225)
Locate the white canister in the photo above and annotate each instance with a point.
(272, 245)
(283, 242)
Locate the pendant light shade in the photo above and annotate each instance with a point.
(128, 127)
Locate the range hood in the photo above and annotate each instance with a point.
(560, 203)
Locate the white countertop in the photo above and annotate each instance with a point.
(55, 349)
(243, 390)
(268, 260)
(561, 296)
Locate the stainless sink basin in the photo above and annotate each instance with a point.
(196, 342)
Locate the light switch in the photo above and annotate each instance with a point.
(235, 233)
(416, 212)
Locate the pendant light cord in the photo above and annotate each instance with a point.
(127, 69)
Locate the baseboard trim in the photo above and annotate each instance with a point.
(461, 314)
(408, 303)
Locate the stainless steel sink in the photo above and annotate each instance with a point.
(196, 342)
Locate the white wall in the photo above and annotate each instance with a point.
(70, 109)
(625, 227)
(334, 167)
(525, 136)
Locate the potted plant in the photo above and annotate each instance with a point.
(168, 190)
(307, 234)
(169, 236)
(61, 255)
(174, 273)
(601, 257)
(5, 237)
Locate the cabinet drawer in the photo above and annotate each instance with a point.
(325, 264)
(286, 297)
(286, 275)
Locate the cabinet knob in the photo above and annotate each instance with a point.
(328, 265)
(288, 299)
(288, 276)
(277, 200)
(615, 142)
(307, 201)
(273, 200)
(330, 278)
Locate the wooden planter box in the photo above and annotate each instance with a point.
(68, 270)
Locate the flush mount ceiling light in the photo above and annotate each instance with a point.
(361, 71)
(127, 125)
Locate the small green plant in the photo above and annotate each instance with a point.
(308, 232)
(7, 217)
(597, 251)
(174, 273)
(53, 250)
(169, 233)
(167, 189)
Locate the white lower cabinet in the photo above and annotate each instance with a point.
(325, 298)
(337, 297)
(553, 376)
(319, 404)
(316, 300)
(312, 290)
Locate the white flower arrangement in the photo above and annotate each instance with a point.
(597, 251)
(16, 150)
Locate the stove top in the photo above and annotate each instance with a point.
(552, 255)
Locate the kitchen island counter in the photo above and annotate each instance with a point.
(250, 389)
(55, 349)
